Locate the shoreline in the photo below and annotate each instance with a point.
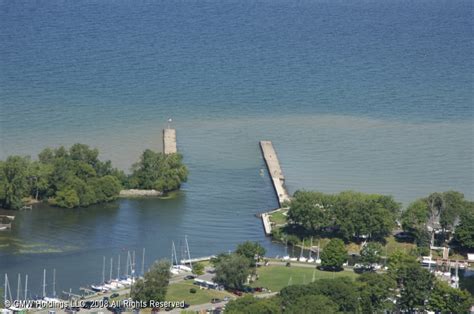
(139, 193)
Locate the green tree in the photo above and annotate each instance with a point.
(198, 269)
(343, 291)
(158, 171)
(311, 210)
(313, 304)
(415, 285)
(371, 253)
(66, 198)
(251, 305)
(64, 175)
(13, 182)
(232, 270)
(334, 255)
(397, 260)
(251, 250)
(376, 292)
(464, 233)
(347, 214)
(154, 284)
(445, 299)
(38, 176)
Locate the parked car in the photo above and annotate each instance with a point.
(215, 300)
(114, 295)
(237, 292)
(407, 236)
(189, 277)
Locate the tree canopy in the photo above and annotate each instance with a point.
(371, 253)
(251, 250)
(251, 305)
(348, 215)
(158, 171)
(231, 270)
(65, 177)
(334, 255)
(76, 177)
(154, 284)
(13, 181)
(464, 233)
(445, 299)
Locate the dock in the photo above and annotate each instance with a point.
(274, 169)
(197, 259)
(169, 141)
(278, 182)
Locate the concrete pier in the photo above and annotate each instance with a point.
(274, 169)
(169, 141)
(278, 181)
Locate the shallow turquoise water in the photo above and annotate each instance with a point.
(373, 96)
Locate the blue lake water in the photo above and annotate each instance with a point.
(375, 96)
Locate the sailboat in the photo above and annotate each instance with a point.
(174, 270)
(302, 258)
(45, 298)
(318, 260)
(310, 258)
(103, 287)
(286, 257)
(293, 259)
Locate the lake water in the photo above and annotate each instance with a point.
(374, 96)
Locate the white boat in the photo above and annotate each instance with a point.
(285, 258)
(99, 288)
(52, 300)
(116, 284)
(293, 259)
(302, 258)
(109, 286)
(310, 260)
(184, 268)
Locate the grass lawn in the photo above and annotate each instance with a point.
(180, 291)
(277, 277)
(393, 245)
(278, 218)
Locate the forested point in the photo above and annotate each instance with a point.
(440, 219)
(75, 177)
(348, 215)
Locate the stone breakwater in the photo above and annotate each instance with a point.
(139, 193)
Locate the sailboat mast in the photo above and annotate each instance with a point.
(44, 283)
(175, 254)
(6, 287)
(103, 270)
(18, 285)
(26, 287)
(133, 264)
(111, 267)
(143, 262)
(172, 253)
(118, 267)
(127, 266)
(54, 282)
(187, 249)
